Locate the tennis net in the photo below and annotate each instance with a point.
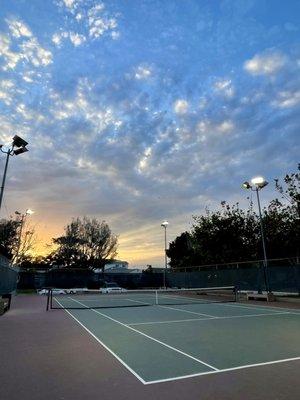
(89, 299)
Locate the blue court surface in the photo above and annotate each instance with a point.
(162, 343)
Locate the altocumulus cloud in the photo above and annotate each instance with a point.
(135, 113)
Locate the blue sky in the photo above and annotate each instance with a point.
(138, 111)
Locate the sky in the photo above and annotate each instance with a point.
(137, 111)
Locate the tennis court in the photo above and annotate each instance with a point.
(178, 336)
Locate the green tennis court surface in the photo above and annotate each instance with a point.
(169, 342)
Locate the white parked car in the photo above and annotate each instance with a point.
(54, 291)
(112, 288)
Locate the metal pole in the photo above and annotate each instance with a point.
(4, 175)
(166, 260)
(265, 264)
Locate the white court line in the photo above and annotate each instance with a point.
(187, 311)
(104, 345)
(292, 310)
(175, 378)
(151, 338)
(169, 322)
(207, 319)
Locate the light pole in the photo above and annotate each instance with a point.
(22, 221)
(164, 225)
(256, 185)
(17, 147)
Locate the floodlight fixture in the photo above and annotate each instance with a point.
(20, 150)
(29, 211)
(259, 182)
(165, 224)
(246, 185)
(19, 142)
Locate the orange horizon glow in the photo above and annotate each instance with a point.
(140, 254)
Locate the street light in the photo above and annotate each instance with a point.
(257, 184)
(18, 146)
(22, 222)
(164, 225)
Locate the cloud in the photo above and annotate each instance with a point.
(6, 88)
(75, 38)
(10, 57)
(28, 49)
(70, 3)
(18, 29)
(89, 20)
(98, 22)
(158, 124)
(35, 54)
(287, 99)
(265, 64)
(225, 87)
(181, 106)
(142, 72)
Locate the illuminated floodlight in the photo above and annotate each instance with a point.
(259, 182)
(246, 185)
(29, 211)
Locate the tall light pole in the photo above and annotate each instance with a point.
(18, 146)
(256, 185)
(22, 222)
(164, 225)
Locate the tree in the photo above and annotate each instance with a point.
(25, 242)
(233, 235)
(281, 225)
(181, 251)
(86, 243)
(225, 236)
(290, 189)
(8, 237)
(148, 270)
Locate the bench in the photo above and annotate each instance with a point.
(261, 296)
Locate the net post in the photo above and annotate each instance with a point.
(51, 298)
(156, 297)
(236, 294)
(48, 299)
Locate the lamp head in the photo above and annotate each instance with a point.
(29, 211)
(259, 182)
(19, 142)
(165, 224)
(246, 185)
(20, 151)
